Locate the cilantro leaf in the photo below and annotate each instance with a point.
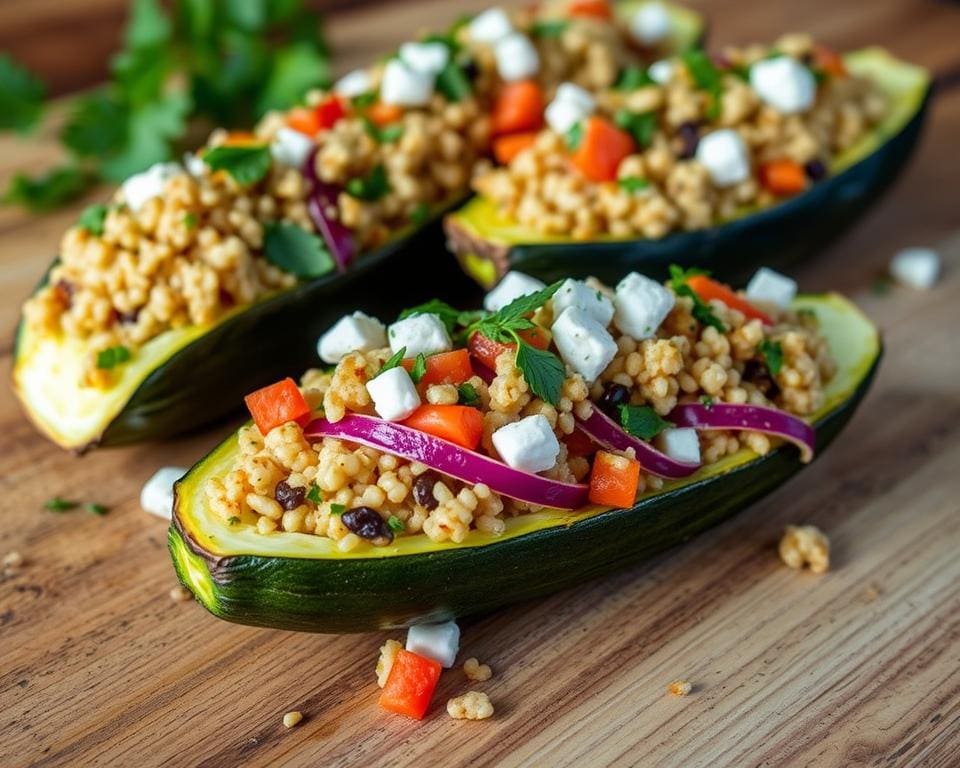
(95, 509)
(92, 219)
(293, 72)
(772, 353)
(394, 360)
(575, 135)
(640, 125)
(385, 135)
(56, 504)
(21, 96)
(295, 250)
(448, 315)
(542, 370)
(97, 125)
(111, 357)
(314, 494)
(706, 77)
(149, 25)
(453, 83)
(337, 509)
(467, 395)
(396, 524)
(371, 187)
(246, 164)
(49, 190)
(633, 184)
(549, 28)
(642, 421)
(706, 400)
(701, 310)
(364, 100)
(420, 214)
(233, 520)
(419, 369)
(189, 220)
(150, 131)
(633, 78)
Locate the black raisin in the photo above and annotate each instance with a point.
(289, 496)
(815, 170)
(612, 398)
(367, 524)
(423, 491)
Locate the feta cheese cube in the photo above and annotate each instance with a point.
(561, 116)
(528, 445)
(404, 86)
(641, 304)
(574, 94)
(490, 26)
(583, 343)
(916, 267)
(662, 72)
(772, 287)
(290, 147)
(784, 83)
(425, 57)
(156, 497)
(682, 444)
(516, 57)
(351, 333)
(141, 187)
(651, 23)
(576, 293)
(725, 157)
(194, 164)
(512, 286)
(394, 394)
(439, 642)
(354, 83)
(420, 334)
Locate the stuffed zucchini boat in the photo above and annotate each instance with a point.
(458, 462)
(200, 267)
(726, 161)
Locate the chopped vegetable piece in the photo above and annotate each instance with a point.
(323, 198)
(277, 404)
(410, 685)
(783, 177)
(384, 114)
(601, 150)
(505, 148)
(487, 351)
(518, 107)
(591, 9)
(329, 111)
(709, 289)
(580, 444)
(304, 120)
(829, 61)
(459, 424)
(614, 480)
(444, 368)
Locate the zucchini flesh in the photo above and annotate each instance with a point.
(302, 581)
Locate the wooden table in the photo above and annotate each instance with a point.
(857, 667)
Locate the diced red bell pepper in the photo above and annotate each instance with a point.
(410, 685)
(487, 351)
(321, 117)
(592, 9)
(444, 368)
(518, 107)
(709, 289)
(783, 177)
(459, 424)
(277, 404)
(505, 148)
(602, 148)
(614, 480)
(329, 111)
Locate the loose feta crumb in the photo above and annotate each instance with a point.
(529, 444)
(517, 57)
(292, 718)
(682, 444)
(473, 705)
(180, 594)
(12, 559)
(576, 293)
(662, 72)
(476, 671)
(805, 545)
(354, 83)
(641, 304)
(388, 654)
(156, 497)
(725, 157)
(680, 688)
(141, 187)
(290, 147)
(512, 286)
(352, 333)
(404, 86)
(916, 267)
(584, 344)
(770, 286)
(651, 23)
(490, 26)
(420, 334)
(429, 58)
(394, 394)
(784, 83)
(439, 642)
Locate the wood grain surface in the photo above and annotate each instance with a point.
(858, 667)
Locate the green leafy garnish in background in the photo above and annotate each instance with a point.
(295, 250)
(21, 97)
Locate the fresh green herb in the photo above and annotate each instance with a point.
(385, 135)
(46, 191)
(706, 400)
(642, 421)
(372, 187)
(92, 219)
(542, 370)
(575, 135)
(315, 494)
(394, 360)
(246, 164)
(453, 83)
(772, 353)
(111, 357)
(95, 509)
(701, 310)
(21, 97)
(190, 220)
(633, 184)
(448, 315)
(707, 78)
(364, 100)
(640, 125)
(56, 504)
(295, 250)
(233, 520)
(396, 524)
(808, 316)
(419, 369)
(549, 28)
(633, 78)
(420, 214)
(467, 395)
(337, 509)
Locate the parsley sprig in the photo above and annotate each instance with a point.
(642, 421)
(701, 310)
(707, 78)
(772, 354)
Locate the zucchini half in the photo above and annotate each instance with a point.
(300, 581)
(488, 244)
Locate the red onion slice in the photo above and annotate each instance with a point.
(606, 432)
(323, 196)
(450, 459)
(756, 418)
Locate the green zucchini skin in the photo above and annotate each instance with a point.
(359, 595)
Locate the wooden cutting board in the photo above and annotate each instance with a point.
(860, 666)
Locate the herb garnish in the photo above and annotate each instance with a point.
(419, 369)
(247, 164)
(467, 395)
(642, 421)
(111, 357)
(701, 310)
(574, 135)
(707, 78)
(190, 220)
(640, 125)
(56, 504)
(772, 353)
(314, 494)
(95, 508)
(420, 214)
(21, 97)
(394, 361)
(233, 520)
(453, 83)
(92, 219)
(549, 28)
(396, 524)
(337, 509)
(364, 100)
(448, 315)
(633, 184)
(382, 135)
(371, 187)
(295, 250)
(706, 400)
(632, 78)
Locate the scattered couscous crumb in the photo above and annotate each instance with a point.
(473, 705)
(292, 718)
(680, 688)
(871, 593)
(12, 559)
(388, 653)
(180, 594)
(805, 545)
(476, 671)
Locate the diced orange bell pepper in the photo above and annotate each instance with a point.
(487, 351)
(602, 148)
(444, 368)
(709, 289)
(593, 9)
(459, 424)
(384, 114)
(783, 177)
(241, 138)
(828, 60)
(614, 480)
(410, 685)
(505, 148)
(518, 107)
(303, 120)
(277, 404)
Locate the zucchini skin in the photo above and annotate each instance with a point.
(779, 236)
(359, 595)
